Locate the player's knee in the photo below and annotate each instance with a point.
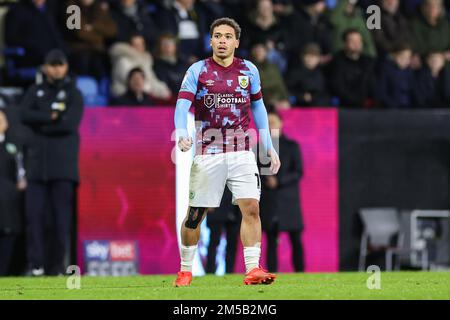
(194, 218)
(252, 210)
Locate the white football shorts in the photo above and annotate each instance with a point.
(210, 173)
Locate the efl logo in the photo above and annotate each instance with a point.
(123, 251)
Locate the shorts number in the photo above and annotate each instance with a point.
(258, 180)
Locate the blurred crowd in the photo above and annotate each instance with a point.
(309, 52)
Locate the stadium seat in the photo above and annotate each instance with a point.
(91, 92)
(103, 87)
(383, 233)
(12, 71)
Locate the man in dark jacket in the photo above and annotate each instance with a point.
(53, 111)
(12, 181)
(305, 79)
(352, 72)
(169, 67)
(310, 25)
(189, 21)
(30, 25)
(394, 28)
(432, 83)
(131, 17)
(280, 202)
(396, 80)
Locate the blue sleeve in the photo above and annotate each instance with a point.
(185, 98)
(258, 108)
(189, 85)
(262, 123)
(181, 114)
(255, 81)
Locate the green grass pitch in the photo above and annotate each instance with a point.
(347, 286)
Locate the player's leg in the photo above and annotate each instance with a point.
(250, 232)
(190, 234)
(245, 185)
(206, 185)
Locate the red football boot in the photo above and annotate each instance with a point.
(183, 279)
(259, 276)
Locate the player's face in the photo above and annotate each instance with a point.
(223, 41)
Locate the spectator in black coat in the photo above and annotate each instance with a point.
(263, 26)
(135, 96)
(280, 200)
(352, 73)
(394, 28)
(88, 44)
(395, 81)
(310, 25)
(169, 67)
(306, 81)
(133, 18)
(12, 181)
(189, 21)
(432, 83)
(30, 25)
(53, 111)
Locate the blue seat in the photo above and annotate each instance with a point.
(13, 72)
(91, 92)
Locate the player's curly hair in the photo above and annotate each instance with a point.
(226, 21)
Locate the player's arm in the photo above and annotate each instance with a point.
(181, 114)
(262, 123)
(261, 120)
(184, 102)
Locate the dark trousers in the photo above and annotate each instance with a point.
(48, 249)
(297, 250)
(232, 232)
(7, 242)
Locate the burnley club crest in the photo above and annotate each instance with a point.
(243, 81)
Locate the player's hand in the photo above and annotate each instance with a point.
(185, 143)
(275, 162)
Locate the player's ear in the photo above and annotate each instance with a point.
(237, 44)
